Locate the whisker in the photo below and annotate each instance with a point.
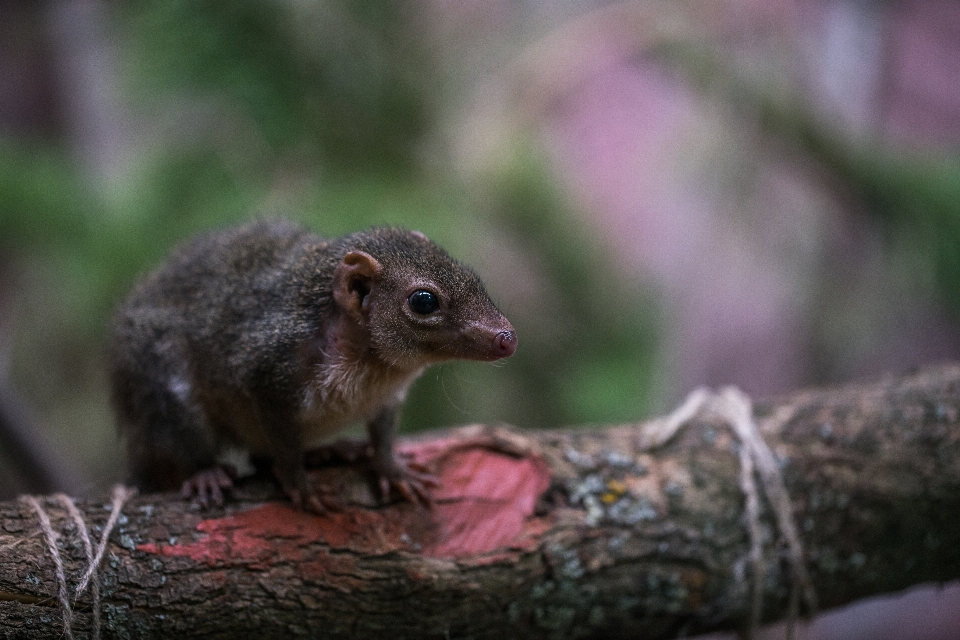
(446, 394)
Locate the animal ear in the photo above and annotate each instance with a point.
(353, 280)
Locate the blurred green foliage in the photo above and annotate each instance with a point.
(328, 113)
(317, 112)
(344, 83)
(917, 199)
(913, 194)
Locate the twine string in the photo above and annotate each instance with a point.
(734, 408)
(90, 577)
(120, 495)
(51, 538)
(71, 508)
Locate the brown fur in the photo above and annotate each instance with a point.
(269, 337)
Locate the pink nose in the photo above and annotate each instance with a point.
(504, 344)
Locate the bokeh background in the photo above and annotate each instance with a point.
(657, 194)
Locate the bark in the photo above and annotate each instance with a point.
(560, 534)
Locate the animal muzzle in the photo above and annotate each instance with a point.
(504, 345)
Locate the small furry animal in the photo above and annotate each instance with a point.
(268, 337)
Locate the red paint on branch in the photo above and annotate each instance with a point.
(485, 502)
(483, 511)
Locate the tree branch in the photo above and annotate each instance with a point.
(537, 534)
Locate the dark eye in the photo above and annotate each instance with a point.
(423, 302)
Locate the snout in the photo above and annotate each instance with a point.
(504, 345)
(484, 341)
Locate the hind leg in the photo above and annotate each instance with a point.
(169, 438)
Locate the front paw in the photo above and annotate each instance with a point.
(208, 485)
(302, 494)
(311, 501)
(411, 480)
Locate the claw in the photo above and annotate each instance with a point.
(384, 489)
(313, 502)
(425, 471)
(207, 486)
(411, 480)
